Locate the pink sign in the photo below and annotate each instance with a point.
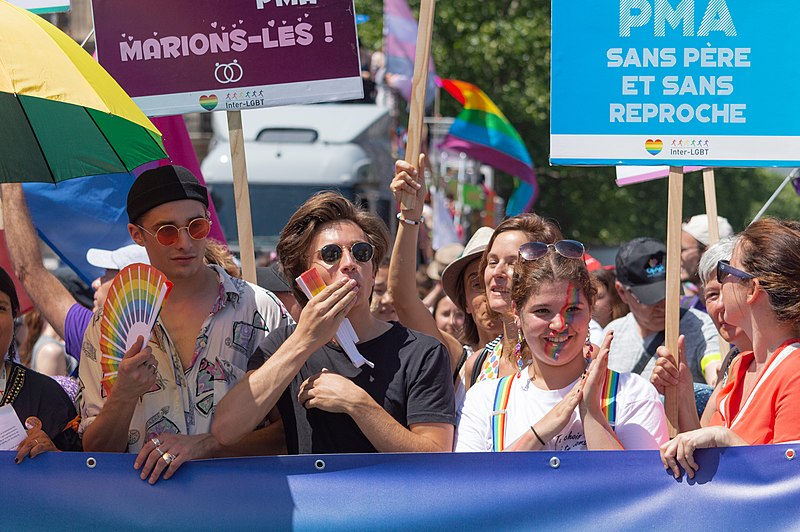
(182, 56)
(628, 175)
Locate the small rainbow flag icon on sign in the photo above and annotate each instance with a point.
(653, 147)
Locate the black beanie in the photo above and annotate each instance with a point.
(162, 185)
(7, 287)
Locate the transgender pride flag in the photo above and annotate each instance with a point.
(400, 48)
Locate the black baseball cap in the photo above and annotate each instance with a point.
(642, 267)
(162, 185)
(272, 279)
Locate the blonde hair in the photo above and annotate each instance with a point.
(219, 254)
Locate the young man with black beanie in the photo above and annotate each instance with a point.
(166, 392)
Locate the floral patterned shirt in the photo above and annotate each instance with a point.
(182, 401)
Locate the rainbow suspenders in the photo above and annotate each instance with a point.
(608, 403)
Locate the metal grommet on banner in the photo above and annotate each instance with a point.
(790, 454)
(555, 462)
(91, 462)
(320, 465)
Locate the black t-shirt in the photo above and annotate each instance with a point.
(411, 381)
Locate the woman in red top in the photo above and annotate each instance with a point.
(761, 294)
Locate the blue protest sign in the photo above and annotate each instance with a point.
(674, 82)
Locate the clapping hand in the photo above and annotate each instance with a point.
(595, 378)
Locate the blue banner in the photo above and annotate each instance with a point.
(735, 488)
(675, 82)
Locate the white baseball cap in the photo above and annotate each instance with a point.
(697, 226)
(118, 258)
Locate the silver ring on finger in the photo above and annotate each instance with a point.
(156, 441)
(160, 451)
(168, 457)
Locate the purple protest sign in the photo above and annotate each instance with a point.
(182, 56)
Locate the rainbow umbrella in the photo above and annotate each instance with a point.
(62, 114)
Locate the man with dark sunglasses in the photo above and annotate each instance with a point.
(163, 402)
(401, 400)
(641, 283)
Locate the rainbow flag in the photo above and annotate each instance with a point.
(522, 199)
(483, 132)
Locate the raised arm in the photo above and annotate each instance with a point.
(403, 267)
(44, 289)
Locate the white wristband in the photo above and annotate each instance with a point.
(409, 222)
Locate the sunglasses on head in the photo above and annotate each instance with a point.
(361, 251)
(570, 249)
(724, 269)
(166, 235)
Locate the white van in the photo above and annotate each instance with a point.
(296, 151)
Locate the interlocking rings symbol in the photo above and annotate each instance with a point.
(228, 72)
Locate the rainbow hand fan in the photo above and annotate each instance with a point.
(131, 308)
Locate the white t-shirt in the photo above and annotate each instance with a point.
(641, 422)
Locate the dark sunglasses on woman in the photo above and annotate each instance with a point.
(724, 269)
(361, 251)
(570, 249)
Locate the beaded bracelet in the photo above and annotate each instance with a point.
(409, 222)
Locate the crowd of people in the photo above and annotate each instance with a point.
(517, 345)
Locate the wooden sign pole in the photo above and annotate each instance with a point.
(244, 222)
(418, 86)
(710, 192)
(674, 213)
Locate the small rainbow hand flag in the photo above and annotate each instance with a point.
(311, 283)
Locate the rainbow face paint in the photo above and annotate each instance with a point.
(566, 318)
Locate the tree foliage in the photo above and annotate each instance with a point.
(504, 48)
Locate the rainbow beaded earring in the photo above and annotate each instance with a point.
(518, 350)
